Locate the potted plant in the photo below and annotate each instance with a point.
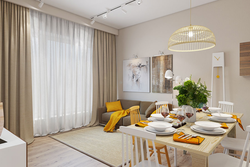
(192, 94)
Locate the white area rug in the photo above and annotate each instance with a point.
(93, 141)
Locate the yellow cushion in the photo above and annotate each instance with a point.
(113, 106)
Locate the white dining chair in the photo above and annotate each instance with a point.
(226, 106)
(224, 160)
(138, 135)
(228, 142)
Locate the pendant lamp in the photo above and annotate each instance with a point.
(191, 38)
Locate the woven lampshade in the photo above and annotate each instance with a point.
(191, 38)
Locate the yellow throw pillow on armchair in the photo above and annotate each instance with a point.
(113, 106)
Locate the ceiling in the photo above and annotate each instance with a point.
(148, 10)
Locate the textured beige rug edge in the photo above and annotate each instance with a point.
(94, 142)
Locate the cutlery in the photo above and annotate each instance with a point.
(181, 136)
(186, 136)
(192, 136)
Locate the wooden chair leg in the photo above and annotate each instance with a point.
(151, 154)
(167, 156)
(175, 157)
(159, 155)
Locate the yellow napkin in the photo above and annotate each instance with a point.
(197, 140)
(234, 117)
(172, 116)
(224, 126)
(142, 123)
(238, 120)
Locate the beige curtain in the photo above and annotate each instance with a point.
(104, 71)
(15, 70)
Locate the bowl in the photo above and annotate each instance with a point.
(207, 125)
(214, 109)
(158, 117)
(221, 116)
(160, 126)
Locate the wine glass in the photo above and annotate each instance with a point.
(164, 111)
(180, 115)
(189, 112)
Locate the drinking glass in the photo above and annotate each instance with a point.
(180, 115)
(165, 111)
(189, 112)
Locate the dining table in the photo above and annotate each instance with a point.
(200, 152)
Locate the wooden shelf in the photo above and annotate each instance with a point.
(245, 59)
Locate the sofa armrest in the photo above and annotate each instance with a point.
(100, 111)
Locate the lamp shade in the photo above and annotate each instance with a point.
(191, 38)
(169, 74)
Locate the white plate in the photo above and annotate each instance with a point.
(221, 116)
(214, 109)
(228, 120)
(165, 119)
(176, 109)
(217, 131)
(160, 125)
(173, 112)
(159, 117)
(168, 131)
(207, 125)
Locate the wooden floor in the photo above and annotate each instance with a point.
(47, 152)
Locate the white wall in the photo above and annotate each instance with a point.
(228, 19)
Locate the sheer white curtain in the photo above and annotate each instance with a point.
(61, 55)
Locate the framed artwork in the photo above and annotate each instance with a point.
(136, 75)
(160, 64)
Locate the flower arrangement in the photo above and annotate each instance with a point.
(191, 93)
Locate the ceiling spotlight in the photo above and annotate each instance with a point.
(93, 20)
(139, 2)
(41, 4)
(105, 15)
(124, 11)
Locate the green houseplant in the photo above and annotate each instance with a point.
(192, 94)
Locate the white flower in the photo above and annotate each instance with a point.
(187, 79)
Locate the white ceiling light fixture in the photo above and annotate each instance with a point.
(93, 20)
(139, 2)
(122, 8)
(105, 15)
(40, 5)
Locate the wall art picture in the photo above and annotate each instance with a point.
(136, 75)
(160, 64)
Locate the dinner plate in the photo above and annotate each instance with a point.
(168, 131)
(228, 120)
(221, 115)
(214, 109)
(208, 125)
(159, 117)
(160, 126)
(165, 119)
(217, 131)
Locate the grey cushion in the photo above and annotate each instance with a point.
(126, 104)
(150, 110)
(144, 106)
(106, 117)
(126, 120)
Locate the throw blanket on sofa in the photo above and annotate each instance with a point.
(114, 118)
